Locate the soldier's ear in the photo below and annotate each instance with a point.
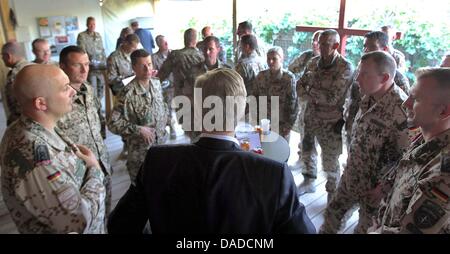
(445, 111)
(336, 45)
(40, 104)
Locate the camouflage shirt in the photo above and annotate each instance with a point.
(137, 107)
(83, 124)
(248, 68)
(282, 84)
(12, 105)
(400, 60)
(186, 65)
(298, 65)
(93, 45)
(46, 187)
(118, 68)
(324, 87)
(379, 138)
(354, 96)
(419, 199)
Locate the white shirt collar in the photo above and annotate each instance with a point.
(221, 137)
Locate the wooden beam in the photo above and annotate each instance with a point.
(234, 31)
(344, 32)
(8, 29)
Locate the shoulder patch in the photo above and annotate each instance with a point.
(428, 214)
(68, 198)
(41, 155)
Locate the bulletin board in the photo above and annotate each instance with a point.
(60, 31)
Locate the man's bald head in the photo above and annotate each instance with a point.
(37, 80)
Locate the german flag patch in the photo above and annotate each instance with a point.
(54, 176)
(439, 195)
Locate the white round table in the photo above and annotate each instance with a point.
(275, 146)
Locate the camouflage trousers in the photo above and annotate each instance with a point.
(321, 131)
(343, 204)
(97, 80)
(137, 150)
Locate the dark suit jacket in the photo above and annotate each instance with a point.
(211, 186)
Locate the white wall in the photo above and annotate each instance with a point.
(28, 10)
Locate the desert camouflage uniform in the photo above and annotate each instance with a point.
(281, 84)
(261, 50)
(418, 201)
(324, 89)
(379, 138)
(12, 105)
(83, 126)
(93, 45)
(186, 65)
(297, 67)
(137, 107)
(158, 59)
(46, 187)
(119, 67)
(400, 60)
(248, 68)
(354, 99)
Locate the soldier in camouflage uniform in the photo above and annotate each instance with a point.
(211, 52)
(158, 59)
(83, 124)
(49, 184)
(12, 59)
(186, 65)
(297, 67)
(323, 86)
(399, 57)
(419, 184)
(379, 138)
(119, 63)
(140, 115)
(374, 41)
(246, 28)
(250, 64)
(91, 41)
(281, 83)
(41, 49)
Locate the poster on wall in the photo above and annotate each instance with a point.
(71, 24)
(44, 29)
(57, 25)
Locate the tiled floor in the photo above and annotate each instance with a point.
(315, 202)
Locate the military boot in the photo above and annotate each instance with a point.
(307, 186)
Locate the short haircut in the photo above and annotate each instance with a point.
(331, 33)
(316, 33)
(204, 29)
(132, 38)
(89, 19)
(212, 38)
(384, 62)
(223, 83)
(277, 50)
(250, 39)
(190, 35)
(125, 31)
(64, 55)
(246, 25)
(442, 77)
(159, 39)
(36, 41)
(380, 37)
(138, 54)
(11, 48)
(134, 23)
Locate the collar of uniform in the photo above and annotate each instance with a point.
(278, 75)
(20, 63)
(49, 137)
(427, 150)
(387, 98)
(140, 90)
(321, 65)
